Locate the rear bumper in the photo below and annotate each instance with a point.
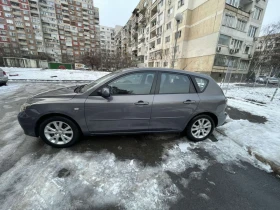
(222, 118)
(28, 124)
(3, 79)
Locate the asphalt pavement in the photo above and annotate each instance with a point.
(220, 186)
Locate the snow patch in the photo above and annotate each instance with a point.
(52, 74)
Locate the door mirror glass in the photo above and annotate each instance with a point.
(105, 92)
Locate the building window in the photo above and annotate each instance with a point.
(167, 39)
(257, 13)
(10, 21)
(159, 30)
(159, 41)
(170, 11)
(241, 25)
(247, 50)
(168, 26)
(178, 34)
(234, 3)
(224, 40)
(229, 20)
(252, 31)
(181, 3)
(223, 60)
(244, 65)
(236, 44)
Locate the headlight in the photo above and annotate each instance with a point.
(24, 106)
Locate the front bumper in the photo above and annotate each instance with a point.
(222, 118)
(27, 123)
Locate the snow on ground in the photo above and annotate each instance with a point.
(263, 139)
(10, 88)
(52, 74)
(94, 180)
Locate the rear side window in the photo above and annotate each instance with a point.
(174, 84)
(201, 83)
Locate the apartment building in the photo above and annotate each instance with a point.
(62, 29)
(213, 37)
(107, 39)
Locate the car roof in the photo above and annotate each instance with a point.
(165, 69)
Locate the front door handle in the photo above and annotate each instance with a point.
(141, 103)
(189, 102)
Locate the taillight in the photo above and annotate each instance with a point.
(4, 73)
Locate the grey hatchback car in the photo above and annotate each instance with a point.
(139, 100)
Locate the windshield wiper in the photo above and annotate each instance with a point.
(78, 89)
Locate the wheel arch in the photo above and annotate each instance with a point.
(210, 114)
(46, 116)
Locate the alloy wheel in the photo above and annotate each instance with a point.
(201, 128)
(58, 132)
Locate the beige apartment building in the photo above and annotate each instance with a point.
(107, 38)
(62, 29)
(214, 36)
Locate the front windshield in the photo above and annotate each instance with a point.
(100, 80)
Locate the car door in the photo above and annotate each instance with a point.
(174, 102)
(129, 107)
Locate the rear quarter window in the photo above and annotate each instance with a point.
(201, 83)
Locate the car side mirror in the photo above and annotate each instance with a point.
(105, 92)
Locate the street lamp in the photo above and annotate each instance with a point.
(178, 18)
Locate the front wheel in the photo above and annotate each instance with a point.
(200, 128)
(59, 132)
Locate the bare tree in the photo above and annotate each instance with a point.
(267, 54)
(92, 59)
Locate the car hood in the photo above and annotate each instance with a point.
(61, 93)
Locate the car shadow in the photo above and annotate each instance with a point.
(146, 148)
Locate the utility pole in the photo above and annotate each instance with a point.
(275, 91)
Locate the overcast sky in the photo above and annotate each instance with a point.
(117, 12)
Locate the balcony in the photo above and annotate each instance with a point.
(244, 8)
(15, 5)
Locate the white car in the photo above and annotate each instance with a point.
(3, 77)
(261, 79)
(272, 80)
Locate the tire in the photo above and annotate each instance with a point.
(204, 133)
(64, 134)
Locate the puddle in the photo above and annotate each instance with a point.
(242, 115)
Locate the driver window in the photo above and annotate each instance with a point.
(133, 84)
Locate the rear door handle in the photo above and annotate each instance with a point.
(189, 102)
(141, 103)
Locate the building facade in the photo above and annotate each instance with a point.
(62, 29)
(213, 36)
(107, 39)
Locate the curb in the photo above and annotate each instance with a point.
(275, 168)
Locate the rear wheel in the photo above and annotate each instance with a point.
(200, 128)
(59, 132)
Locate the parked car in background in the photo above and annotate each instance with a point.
(261, 79)
(272, 80)
(141, 100)
(3, 77)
